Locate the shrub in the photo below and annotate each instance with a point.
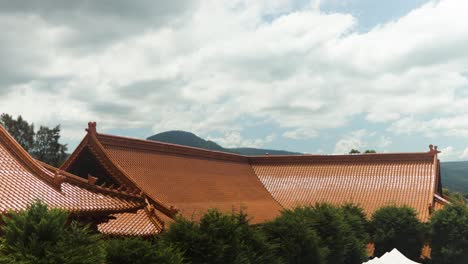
(298, 241)
(449, 228)
(139, 251)
(39, 235)
(219, 238)
(319, 234)
(356, 242)
(336, 234)
(355, 217)
(397, 227)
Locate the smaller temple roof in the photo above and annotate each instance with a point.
(143, 223)
(190, 179)
(24, 180)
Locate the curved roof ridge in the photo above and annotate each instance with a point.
(90, 183)
(149, 145)
(58, 189)
(263, 185)
(23, 157)
(346, 157)
(93, 139)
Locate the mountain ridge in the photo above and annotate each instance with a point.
(185, 138)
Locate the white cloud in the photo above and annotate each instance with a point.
(464, 154)
(448, 153)
(213, 63)
(354, 140)
(300, 134)
(234, 139)
(384, 142)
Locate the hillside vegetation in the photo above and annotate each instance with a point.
(455, 176)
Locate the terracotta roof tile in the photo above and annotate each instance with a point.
(195, 180)
(371, 181)
(24, 180)
(194, 184)
(140, 223)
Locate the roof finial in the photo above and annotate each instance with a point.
(92, 180)
(433, 149)
(58, 179)
(91, 127)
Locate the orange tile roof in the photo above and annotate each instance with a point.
(141, 223)
(194, 180)
(24, 180)
(190, 179)
(370, 180)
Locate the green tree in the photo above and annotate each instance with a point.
(220, 238)
(43, 145)
(298, 242)
(47, 147)
(355, 217)
(449, 229)
(42, 236)
(454, 196)
(139, 251)
(356, 242)
(397, 227)
(370, 151)
(77, 245)
(354, 151)
(319, 234)
(336, 234)
(19, 129)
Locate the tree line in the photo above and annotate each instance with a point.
(319, 234)
(42, 144)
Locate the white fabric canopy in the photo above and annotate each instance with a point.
(392, 257)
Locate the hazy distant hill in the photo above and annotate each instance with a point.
(455, 175)
(192, 140)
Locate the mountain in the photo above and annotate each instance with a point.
(192, 140)
(455, 176)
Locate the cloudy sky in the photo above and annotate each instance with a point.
(309, 76)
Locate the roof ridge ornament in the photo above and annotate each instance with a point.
(91, 128)
(433, 149)
(58, 179)
(92, 180)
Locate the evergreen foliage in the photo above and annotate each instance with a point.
(356, 242)
(47, 147)
(220, 238)
(139, 251)
(298, 242)
(319, 234)
(42, 236)
(355, 217)
(42, 145)
(397, 227)
(449, 228)
(19, 129)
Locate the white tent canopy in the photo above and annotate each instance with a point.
(392, 257)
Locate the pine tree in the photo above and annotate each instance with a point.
(42, 236)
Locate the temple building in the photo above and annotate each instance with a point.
(189, 181)
(24, 180)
